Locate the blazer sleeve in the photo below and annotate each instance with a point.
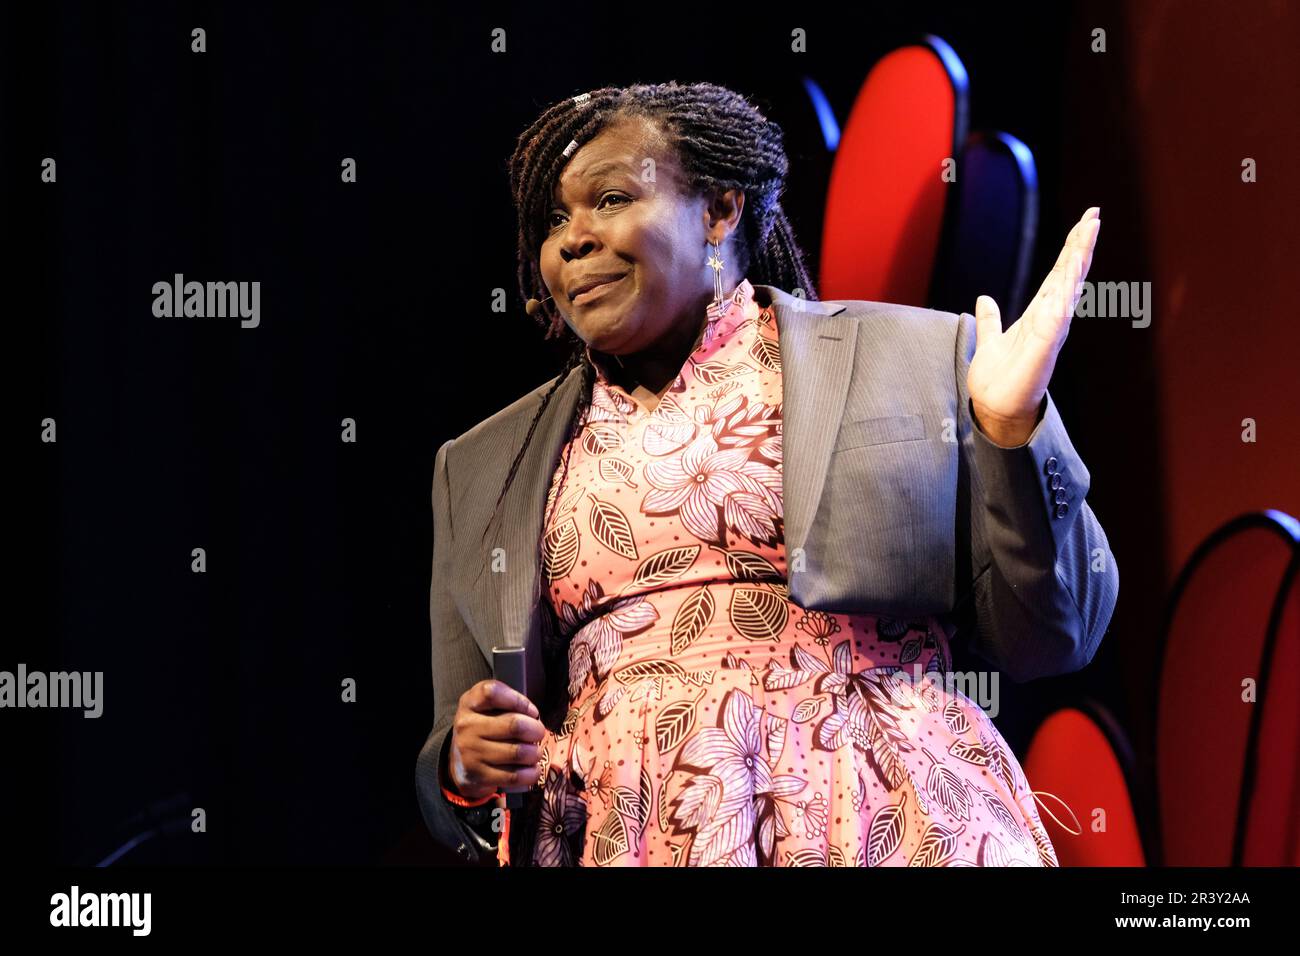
(1044, 580)
(463, 828)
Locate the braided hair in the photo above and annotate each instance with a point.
(721, 141)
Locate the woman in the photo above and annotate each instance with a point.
(712, 698)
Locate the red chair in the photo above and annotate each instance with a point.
(1270, 821)
(1226, 768)
(1080, 766)
(885, 203)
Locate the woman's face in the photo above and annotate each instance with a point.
(619, 211)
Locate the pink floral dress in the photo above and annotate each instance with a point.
(712, 721)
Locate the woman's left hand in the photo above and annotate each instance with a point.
(1010, 370)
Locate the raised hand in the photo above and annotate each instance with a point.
(1010, 370)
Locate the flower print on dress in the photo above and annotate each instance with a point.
(562, 819)
(865, 706)
(595, 648)
(687, 714)
(819, 624)
(713, 490)
(741, 423)
(730, 804)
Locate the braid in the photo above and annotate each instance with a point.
(723, 142)
(578, 355)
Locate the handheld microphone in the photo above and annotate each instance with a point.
(532, 305)
(509, 667)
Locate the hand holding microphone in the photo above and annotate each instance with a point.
(494, 741)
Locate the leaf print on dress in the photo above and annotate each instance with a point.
(833, 856)
(626, 814)
(616, 471)
(560, 550)
(894, 630)
(608, 405)
(596, 647)
(664, 438)
(992, 852)
(600, 439)
(711, 373)
(571, 616)
(748, 566)
(865, 712)
(675, 721)
(938, 844)
(662, 567)
(1000, 764)
(1004, 817)
(692, 617)
(611, 840)
(886, 832)
(758, 614)
(947, 789)
(669, 411)
(740, 423)
(611, 528)
(669, 429)
(767, 352)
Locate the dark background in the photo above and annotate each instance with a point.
(222, 690)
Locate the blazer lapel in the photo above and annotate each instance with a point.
(518, 588)
(816, 363)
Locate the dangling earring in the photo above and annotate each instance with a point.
(715, 263)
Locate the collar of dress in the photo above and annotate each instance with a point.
(722, 319)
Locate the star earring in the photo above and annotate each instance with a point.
(715, 263)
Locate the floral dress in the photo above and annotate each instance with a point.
(711, 721)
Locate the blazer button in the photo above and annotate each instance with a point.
(1061, 509)
(1049, 466)
(1054, 481)
(1060, 496)
(463, 850)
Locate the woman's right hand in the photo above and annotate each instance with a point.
(494, 741)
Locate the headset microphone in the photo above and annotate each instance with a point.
(532, 305)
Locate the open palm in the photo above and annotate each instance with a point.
(1010, 370)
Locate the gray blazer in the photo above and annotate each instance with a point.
(899, 504)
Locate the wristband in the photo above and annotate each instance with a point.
(462, 802)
